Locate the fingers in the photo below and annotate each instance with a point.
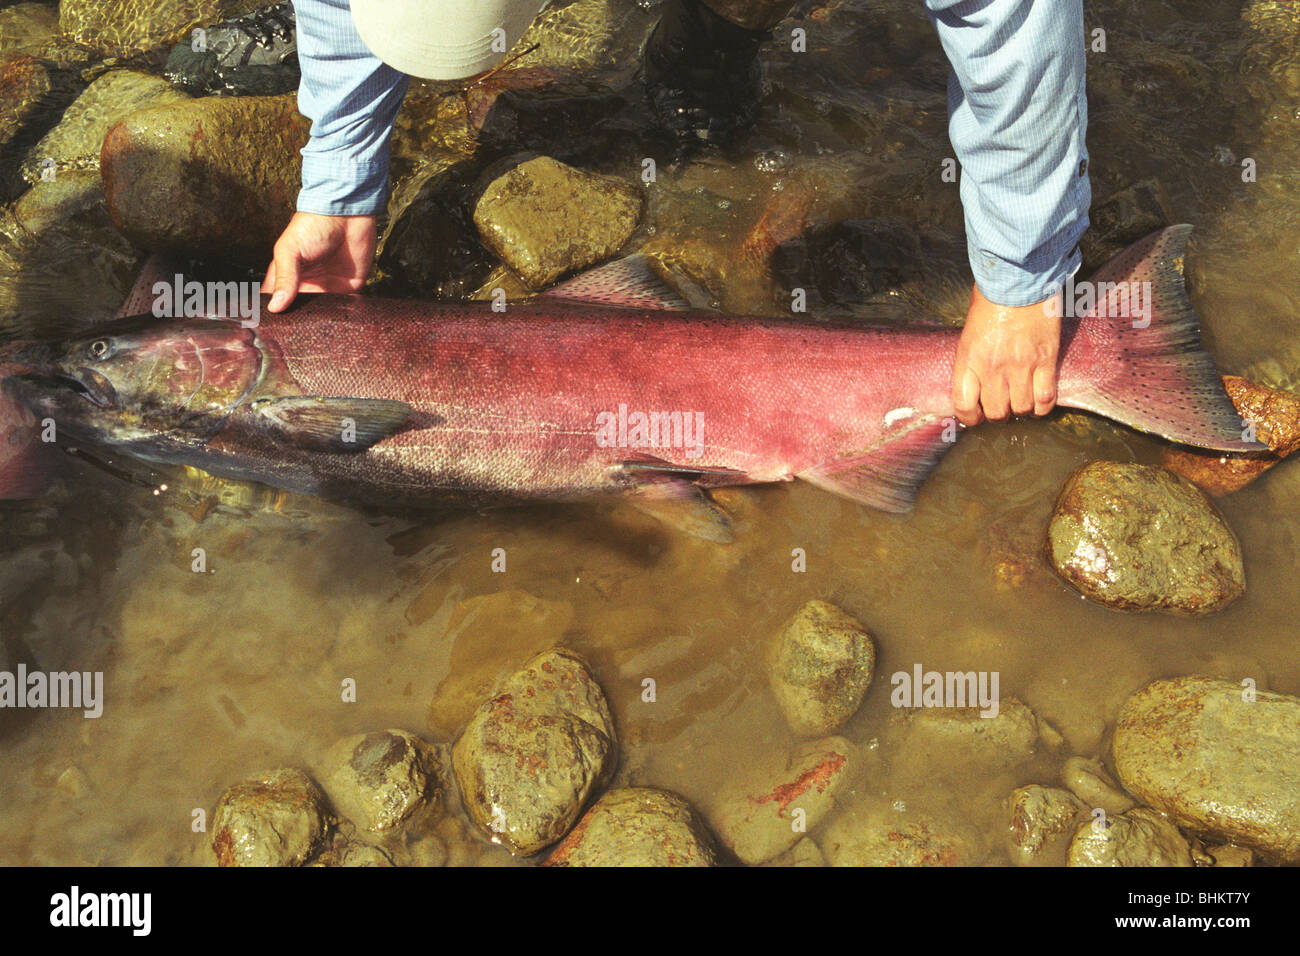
(966, 396)
(284, 283)
(1044, 389)
(1020, 391)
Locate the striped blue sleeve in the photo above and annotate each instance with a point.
(352, 99)
(1017, 117)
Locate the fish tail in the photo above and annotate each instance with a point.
(1135, 355)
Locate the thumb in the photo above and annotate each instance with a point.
(286, 271)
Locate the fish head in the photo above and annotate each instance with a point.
(141, 381)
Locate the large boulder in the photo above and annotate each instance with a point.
(535, 752)
(216, 176)
(1140, 538)
(1220, 759)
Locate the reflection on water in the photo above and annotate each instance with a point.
(213, 676)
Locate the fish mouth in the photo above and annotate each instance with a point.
(85, 383)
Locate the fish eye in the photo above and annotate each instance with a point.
(98, 348)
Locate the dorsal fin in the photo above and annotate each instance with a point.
(630, 283)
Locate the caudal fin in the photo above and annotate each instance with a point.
(1135, 354)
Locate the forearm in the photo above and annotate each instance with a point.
(1017, 119)
(352, 99)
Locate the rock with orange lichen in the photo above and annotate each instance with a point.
(1140, 538)
(769, 811)
(278, 819)
(535, 752)
(1275, 416)
(636, 826)
(1041, 822)
(874, 836)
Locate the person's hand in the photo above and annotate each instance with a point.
(318, 253)
(1006, 360)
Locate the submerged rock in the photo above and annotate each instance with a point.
(75, 142)
(214, 176)
(114, 28)
(1088, 780)
(534, 753)
(803, 853)
(275, 820)
(380, 780)
(870, 836)
(1043, 819)
(545, 219)
(24, 85)
(1276, 417)
(27, 27)
(770, 811)
(819, 667)
(1001, 740)
(1140, 538)
(1219, 764)
(1141, 837)
(636, 826)
(1122, 219)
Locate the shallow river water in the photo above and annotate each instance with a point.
(210, 678)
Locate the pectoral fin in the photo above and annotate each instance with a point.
(327, 424)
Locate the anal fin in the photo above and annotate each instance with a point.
(889, 474)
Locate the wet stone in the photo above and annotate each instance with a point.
(1088, 780)
(867, 836)
(766, 814)
(114, 28)
(24, 84)
(636, 826)
(1042, 821)
(1139, 538)
(380, 780)
(1276, 417)
(75, 142)
(819, 667)
(1122, 219)
(353, 854)
(172, 180)
(1141, 837)
(276, 820)
(27, 27)
(1009, 737)
(545, 219)
(1218, 764)
(535, 752)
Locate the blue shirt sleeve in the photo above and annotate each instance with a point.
(1017, 120)
(352, 99)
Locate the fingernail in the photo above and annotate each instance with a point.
(277, 300)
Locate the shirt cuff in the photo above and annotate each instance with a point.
(340, 187)
(1014, 284)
